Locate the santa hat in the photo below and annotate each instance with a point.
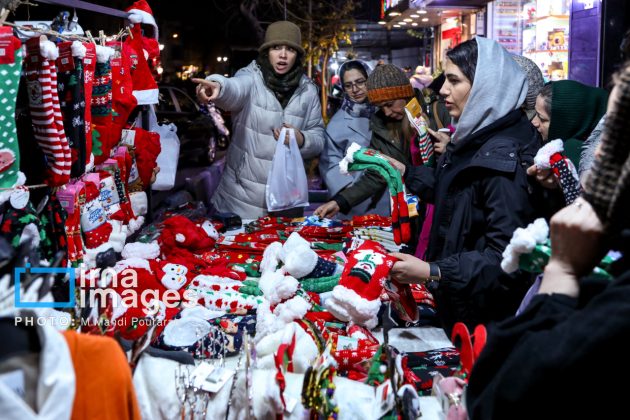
(145, 88)
(181, 232)
(357, 297)
(140, 12)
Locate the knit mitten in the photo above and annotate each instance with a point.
(550, 156)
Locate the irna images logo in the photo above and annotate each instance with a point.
(38, 274)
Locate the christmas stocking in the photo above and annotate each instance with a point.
(100, 233)
(20, 223)
(72, 198)
(103, 135)
(123, 101)
(147, 149)
(357, 297)
(89, 66)
(358, 158)
(72, 96)
(110, 199)
(42, 100)
(550, 157)
(137, 196)
(53, 219)
(123, 159)
(302, 262)
(144, 87)
(10, 68)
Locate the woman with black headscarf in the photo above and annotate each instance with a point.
(562, 355)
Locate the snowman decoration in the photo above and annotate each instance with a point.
(174, 276)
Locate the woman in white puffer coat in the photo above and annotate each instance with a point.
(270, 93)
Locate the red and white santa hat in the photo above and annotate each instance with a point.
(140, 12)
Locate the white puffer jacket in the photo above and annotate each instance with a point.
(255, 113)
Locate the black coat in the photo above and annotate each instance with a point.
(559, 358)
(481, 194)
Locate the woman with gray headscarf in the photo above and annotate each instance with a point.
(479, 188)
(550, 362)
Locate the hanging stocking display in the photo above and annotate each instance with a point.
(42, 100)
(550, 156)
(103, 135)
(357, 159)
(53, 219)
(147, 149)
(10, 68)
(357, 297)
(72, 96)
(89, 66)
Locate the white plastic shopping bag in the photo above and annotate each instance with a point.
(169, 155)
(286, 184)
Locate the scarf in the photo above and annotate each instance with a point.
(607, 188)
(282, 85)
(357, 110)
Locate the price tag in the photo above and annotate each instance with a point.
(347, 343)
(19, 198)
(128, 137)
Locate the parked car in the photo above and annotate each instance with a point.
(200, 131)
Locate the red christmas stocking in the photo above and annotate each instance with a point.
(147, 148)
(72, 199)
(100, 233)
(357, 296)
(42, 107)
(123, 101)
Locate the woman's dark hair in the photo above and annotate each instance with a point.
(464, 56)
(547, 94)
(352, 65)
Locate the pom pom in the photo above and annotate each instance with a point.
(48, 50)
(148, 251)
(300, 262)
(180, 238)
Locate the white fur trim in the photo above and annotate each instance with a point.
(104, 54)
(300, 262)
(362, 311)
(544, 153)
(210, 230)
(292, 309)
(132, 263)
(139, 203)
(30, 233)
(540, 230)
(148, 251)
(343, 167)
(78, 49)
(337, 310)
(277, 287)
(147, 96)
(6, 194)
(509, 263)
(293, 241)
(134, 224)
(140, 16)
(90, 165)
(354, 147)
(523, 241)
(48, 50)
(270, 259)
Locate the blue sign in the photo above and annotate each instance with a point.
(43, 271)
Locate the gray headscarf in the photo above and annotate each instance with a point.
(500, 86)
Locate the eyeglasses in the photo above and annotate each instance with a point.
(358, 83)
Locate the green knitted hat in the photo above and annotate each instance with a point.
(386, 83)
(575, 111)
(283, 33)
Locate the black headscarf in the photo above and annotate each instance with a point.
(282, 85)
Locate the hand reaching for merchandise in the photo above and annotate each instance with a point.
(409, 269)
(299, 137)
(328, 210)
(399, 166)
(207, 90)
(545, 177)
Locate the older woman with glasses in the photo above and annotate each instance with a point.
(351, 124)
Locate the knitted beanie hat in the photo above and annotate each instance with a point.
(283, 33)
(387, 82)
(535, 82)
